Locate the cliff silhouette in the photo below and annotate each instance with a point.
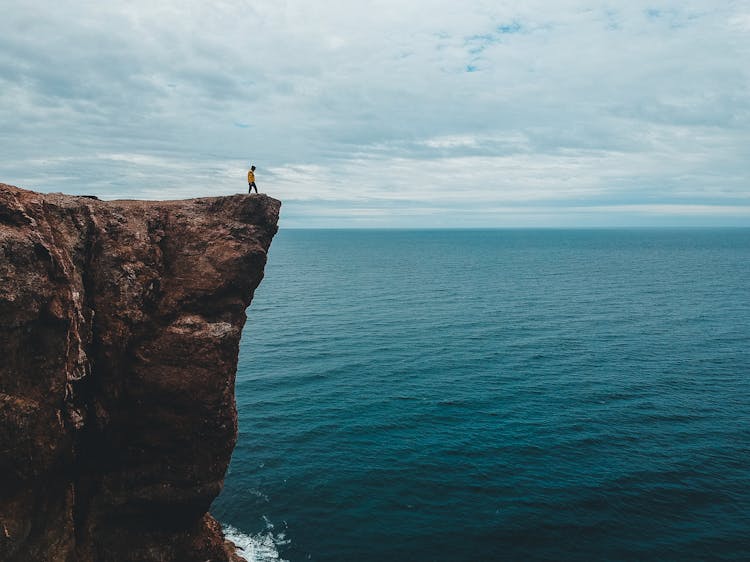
(120, 324)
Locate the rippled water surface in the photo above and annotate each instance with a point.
(488, 395)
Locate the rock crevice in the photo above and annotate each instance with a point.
(119, 331)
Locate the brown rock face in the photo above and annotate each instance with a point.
(119, 331)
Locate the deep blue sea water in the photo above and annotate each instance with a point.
(496, 395)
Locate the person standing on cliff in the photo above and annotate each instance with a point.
(251, 180)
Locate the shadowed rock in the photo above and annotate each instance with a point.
(119, 331)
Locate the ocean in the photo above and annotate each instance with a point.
(469, 395)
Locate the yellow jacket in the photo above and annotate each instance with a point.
(250, 177)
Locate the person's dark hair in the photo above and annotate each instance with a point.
(252, 167)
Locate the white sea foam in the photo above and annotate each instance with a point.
(261, 547)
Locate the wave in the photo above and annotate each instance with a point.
(261, 547)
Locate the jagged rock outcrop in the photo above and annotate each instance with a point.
(119, 330)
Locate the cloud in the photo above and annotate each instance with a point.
(404, 110)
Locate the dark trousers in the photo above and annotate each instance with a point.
(250, 186)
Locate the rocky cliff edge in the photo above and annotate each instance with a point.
(120, 324)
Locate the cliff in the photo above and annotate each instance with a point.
(119, 331)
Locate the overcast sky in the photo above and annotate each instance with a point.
(395, 113)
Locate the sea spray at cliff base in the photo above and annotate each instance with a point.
(497, 395)
(256, 548)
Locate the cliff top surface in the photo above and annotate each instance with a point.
(67, 200)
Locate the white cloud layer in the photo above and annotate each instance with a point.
(402, 113)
